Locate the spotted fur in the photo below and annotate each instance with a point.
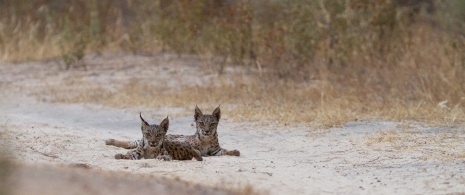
(153, 145)
(205, 139)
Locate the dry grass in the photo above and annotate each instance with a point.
(423, 145)
(409, 90)
(352, 61)
(314, 103)
(413, 89)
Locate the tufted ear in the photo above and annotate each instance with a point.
(143, 122)
(217, 113)
(198, 113)
(165, 124)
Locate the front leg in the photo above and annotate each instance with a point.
(136, 154)
(196, 154)
(218, 151)
(123, 144)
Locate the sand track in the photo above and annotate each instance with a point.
(365, 157)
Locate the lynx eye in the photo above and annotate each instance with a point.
(201, 123)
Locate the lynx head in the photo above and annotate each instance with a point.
(154, 134)
(207, 124)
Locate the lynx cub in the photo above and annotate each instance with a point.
(154, 145)
(205, 139)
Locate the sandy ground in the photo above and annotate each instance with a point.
(364, 157)
(80, 179)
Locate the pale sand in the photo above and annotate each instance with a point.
(367, 157)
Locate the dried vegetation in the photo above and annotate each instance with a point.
(326, 61)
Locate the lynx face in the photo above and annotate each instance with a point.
(207, 124)
(154, 134)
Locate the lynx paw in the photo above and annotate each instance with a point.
(198, 155)
(119, 156)
(110, 141)
(233, 153)
(126, 156)
(164, 157)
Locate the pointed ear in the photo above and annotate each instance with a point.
(143, 122)
(198, 113)
(165, 124)
(217, 113)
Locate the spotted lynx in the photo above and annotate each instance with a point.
(153, 145)
(204, 140)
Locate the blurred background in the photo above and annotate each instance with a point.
(397, 58)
